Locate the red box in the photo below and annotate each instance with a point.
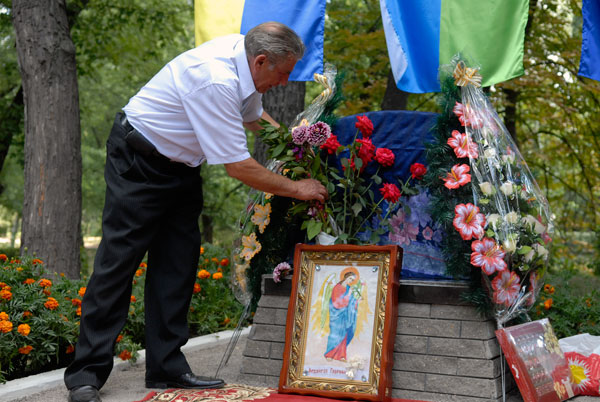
(536, 361)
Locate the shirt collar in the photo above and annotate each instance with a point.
(241, 63)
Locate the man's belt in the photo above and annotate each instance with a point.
(137, 141)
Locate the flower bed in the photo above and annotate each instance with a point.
(40, 310)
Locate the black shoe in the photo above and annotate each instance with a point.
(84, 393)
(187, 380)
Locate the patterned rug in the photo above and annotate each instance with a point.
(234, 392)
(230, 392)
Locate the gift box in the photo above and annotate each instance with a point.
(536, 361)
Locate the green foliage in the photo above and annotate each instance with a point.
(41, 302)
(26, 289)
(571, 301)
(354, 40)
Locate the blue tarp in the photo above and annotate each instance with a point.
(405, 133)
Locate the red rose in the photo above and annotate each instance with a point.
(418, 170)
(331, 145)
(384, 157)
(365, 125)
(390, 192)
(366, 152)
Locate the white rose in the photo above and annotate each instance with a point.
(493, 219)
(541, 251)
(511, 217)
(507, 188)
(529, 220)
(529, 256)
(539, 227)
(489, 153)
(508, 158)
(510, 245)
(486, 188)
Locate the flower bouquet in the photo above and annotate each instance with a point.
(496, 205)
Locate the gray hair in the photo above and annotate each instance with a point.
(275, 40)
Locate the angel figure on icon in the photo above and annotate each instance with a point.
(341, 310)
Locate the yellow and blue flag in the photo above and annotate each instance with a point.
(589, 65)
(421, 35)
(305, 17)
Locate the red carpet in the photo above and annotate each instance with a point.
(234, 392)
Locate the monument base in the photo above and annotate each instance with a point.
(444, 351)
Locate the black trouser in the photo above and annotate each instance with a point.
(151, 205)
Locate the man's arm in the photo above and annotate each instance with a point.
(255, 126)
(253, 174)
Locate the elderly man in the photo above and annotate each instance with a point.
(194, 110)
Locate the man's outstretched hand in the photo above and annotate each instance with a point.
(311, 189)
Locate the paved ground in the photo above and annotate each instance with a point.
(126, 383)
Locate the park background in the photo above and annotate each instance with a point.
(551, 112)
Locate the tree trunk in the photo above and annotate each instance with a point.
(393, 99)
(52, 196)
(11, 119)
(283, 104)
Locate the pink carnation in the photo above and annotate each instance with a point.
(318, 134)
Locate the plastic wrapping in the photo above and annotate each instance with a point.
(583, 356)
(315, 109)
(513, 249)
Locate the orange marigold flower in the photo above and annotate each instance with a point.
(3, 257)
(217, 275)
(139, 272)
(143, 265)
(81, 291)
(219, 269)
(226, 321)
(133, 299)
(25, 349)
(201, 250)
(197, 288)
(548, 288)
(5, 294)
(3, 316)
(215, 259)
(51, 303)
(76, 302)
(36, 261)
(588, 302)
(548, 304)
(70, 349)
(46, 291)
(203, 274)
(45, 283)
(62, 274)
(78, 312)
(27, 314)
(206, 260)
(125, 355)
(29, 281)
(19, 269)
(224, 262)
(15, 261)
(6, 326)
(24, 329)
(119, 338)
(2, 285)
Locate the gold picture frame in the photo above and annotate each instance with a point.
(341, 322)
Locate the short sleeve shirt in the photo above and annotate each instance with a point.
(194, 108)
